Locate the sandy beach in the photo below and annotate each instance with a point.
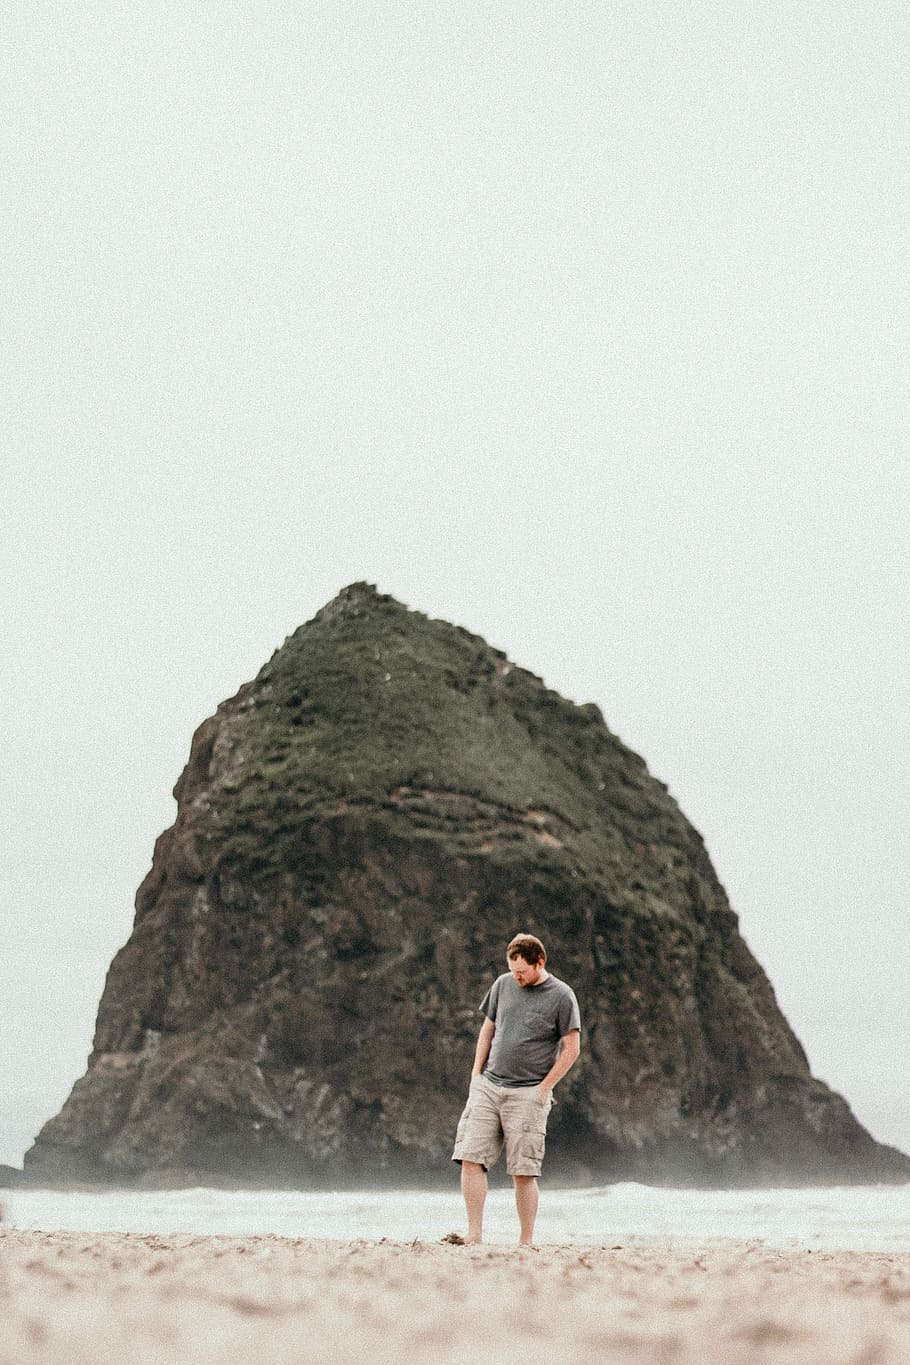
(89, 1298)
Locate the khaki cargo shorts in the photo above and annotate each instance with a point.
(495, 1114)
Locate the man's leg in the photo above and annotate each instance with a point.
(478, 1143)
(526, 1202)
(474, 1189)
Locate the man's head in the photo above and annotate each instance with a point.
(527, 959)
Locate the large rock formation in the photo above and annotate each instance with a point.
(360, 830)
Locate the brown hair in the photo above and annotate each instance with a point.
(528, 947)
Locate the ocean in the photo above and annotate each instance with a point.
(851, 1218)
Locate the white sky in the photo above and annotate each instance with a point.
(585, 327)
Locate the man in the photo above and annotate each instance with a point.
(528, 1041)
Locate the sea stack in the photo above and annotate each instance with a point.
(359, 832)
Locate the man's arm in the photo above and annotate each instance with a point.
(568, 1056)
(484, 1043)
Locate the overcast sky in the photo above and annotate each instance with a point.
(585, 327)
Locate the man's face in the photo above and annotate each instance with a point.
(524, 973)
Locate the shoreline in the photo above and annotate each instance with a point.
(873, 1219)
(145, 1299)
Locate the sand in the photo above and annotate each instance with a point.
(82, 1299)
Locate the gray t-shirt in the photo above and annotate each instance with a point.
(530, 1021)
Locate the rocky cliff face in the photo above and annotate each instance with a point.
(360, 831)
